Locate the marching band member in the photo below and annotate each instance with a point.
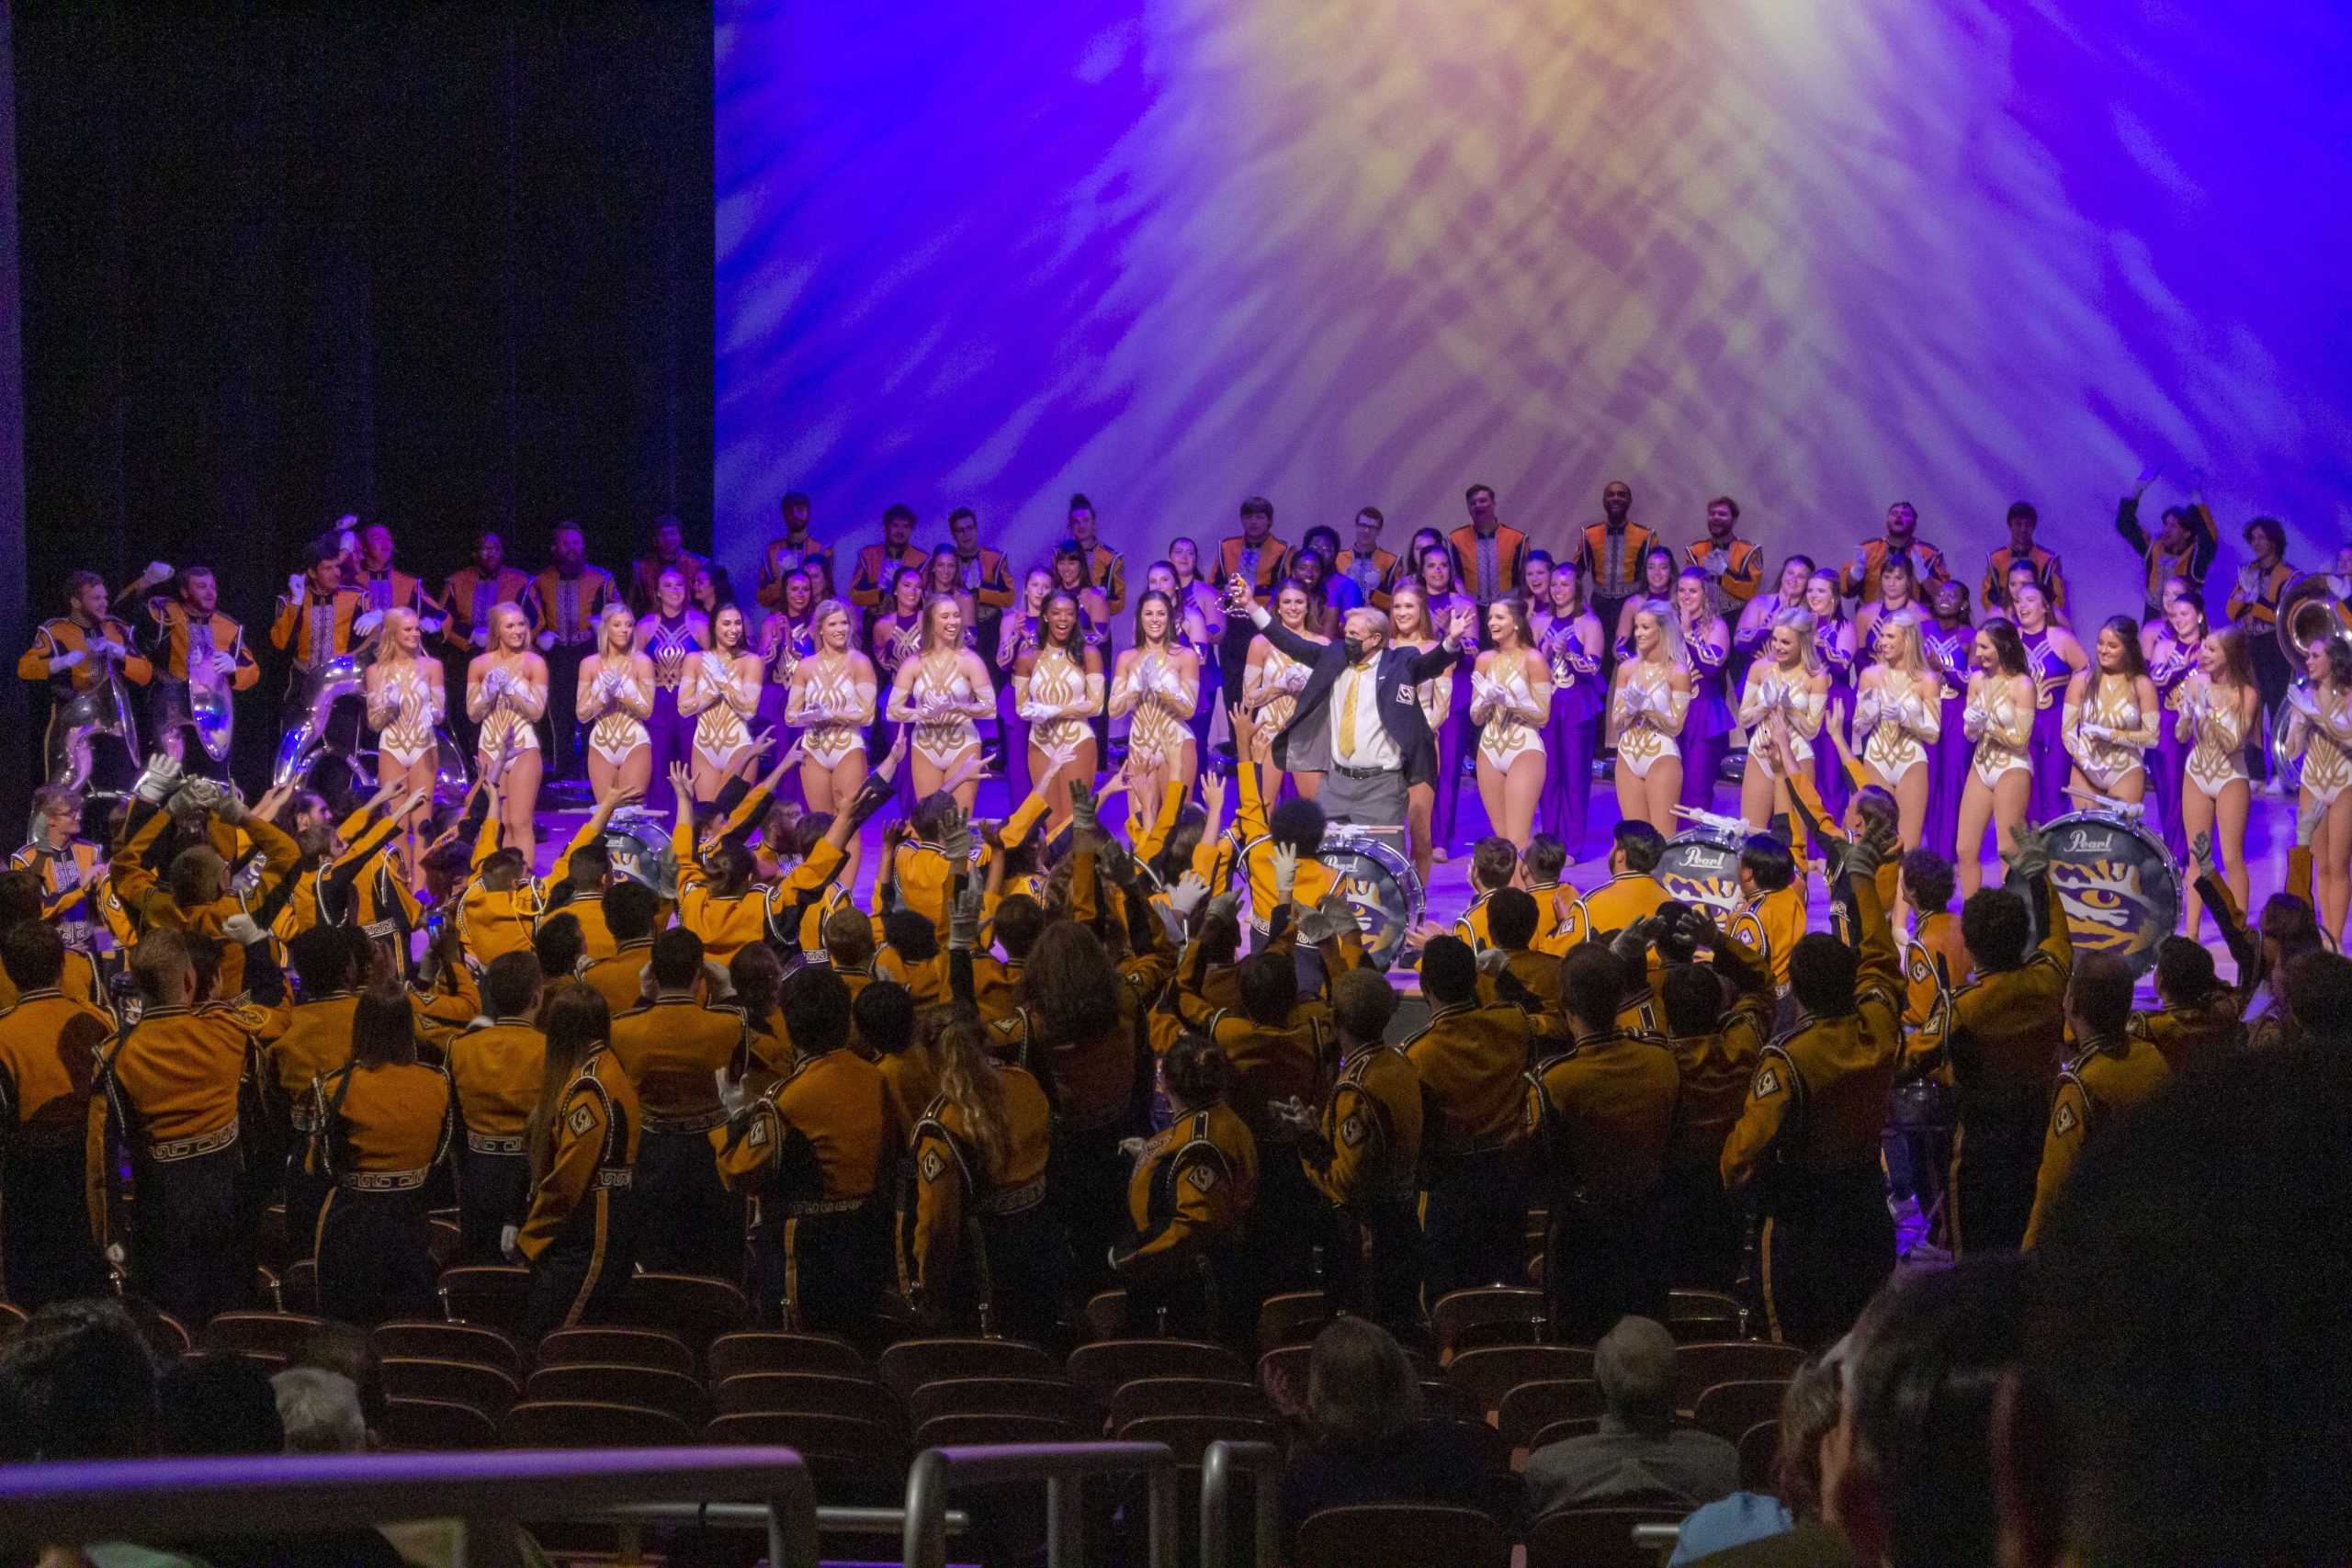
(1611, 553)
(2021, 551)
(1946, 639)
(2184, 545)
(86, 656)
(1568, 635)
(720, 692)
(1157, 688)
(70, 872)
(789, 554)
(319, 621)
(1706, 728)
(1734, 567)
(1833, 640)
(1272, 683)
(2052, 658)
(1190, 1192)
(669, 554)
(1057, 690)
(474, 589)
(876, 563)
(1511, 703)
(676, 1048)
(383, 1122)
(1860, 576)
(566, 603)
(195, 644)
(1898, 708)
(2319, 731)
(2111, 716)
(1490, 558)
(2254, 604)
(1899, 593)
(942, 690)
(2112, 1068)
(2170, 648)
(1787, 677)
(1647, 705)
(386, 587)
(830, 703)
(615, 701)
(1105, 569)
(506, 691)
(670, 636)
(580, 1233)
(1364, 563)
(2219, 707)
(982, 574)
(407, 698)
(1998, 720)
(1256, 554)
(50, 1042)
(496, 1063)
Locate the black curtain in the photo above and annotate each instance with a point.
(446, 267)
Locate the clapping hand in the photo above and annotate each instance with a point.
(1285, 863)
(2030, 858)
(1971, 722)
(1187, 895)
(682, 788)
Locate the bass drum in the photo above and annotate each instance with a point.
(1701, 867)
(638, 841)
(1379, 883)
(2120, 886)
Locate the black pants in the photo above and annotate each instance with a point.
(1828, 1244)
(1022, 1253)
(191, 1248)
(46, 1250)
(836, 1268)
(1473, 1222)
(1601, 1262)
(2272, 677)
(493, 1191)
(698, 1224)
(1705, 1227)
(1375, 1267)
(1086, 1181)
(375, 1256)
(578, 1276)
(1995, 1161)
(305, 1194)
(563, 687)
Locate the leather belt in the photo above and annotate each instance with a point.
(1026, 1196)
(381, 1180)
(1368, 772)
(190, 1147)
(679, 1126)
(488, 1143)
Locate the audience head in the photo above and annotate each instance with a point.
(1635, 847)
(2317, 997)
(2099, 997)
(1821, 974)
(1019, 920)
(1362, 1003)
(32, 953)
(1766, 863)
(1929, 881)
(885, 1012)
(345, 1349)
(85, 1379)
(1910, 1474)
(383, 1027)
(1449, 971)
(2185, 975)
(1634, 1363)
(1297, 824)
(756, 975)
(1997, 928)
(1362, 1390)
(912, 934)
(319, 1411)
(1511, 916)
(1269, 987)
(2181, 1399)
(217, 1404)
(1492, 863)
(1810, 1412)
(1196, 1074)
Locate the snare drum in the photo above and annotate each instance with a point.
(1379, 883)
(639, 843)
(2120, 886)
(1701, 866)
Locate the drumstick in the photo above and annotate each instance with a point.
(2131, 810)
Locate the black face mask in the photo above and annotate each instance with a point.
(1354, 648)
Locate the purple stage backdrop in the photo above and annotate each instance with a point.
(1819, 256)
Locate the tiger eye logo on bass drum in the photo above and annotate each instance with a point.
(1701, 867)
(1379, 883)
(2120, 885)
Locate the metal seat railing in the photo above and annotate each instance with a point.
(1220, 1462)
(186, 1499)
(1060, 1466)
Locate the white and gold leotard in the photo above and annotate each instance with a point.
(1160, 717)
(1058, 682)
(1507, 735)
(616, 732)
(505, 719)
(2112, 702)
(1766, 689)
(1647, 732)
(2007, 731)
(403, 710)
(2217, 752)
(836, 706)
(720, 731)
(1900, 728)
(2327, 764)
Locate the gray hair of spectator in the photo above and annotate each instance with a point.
(321, 1412)
(1634, 1363)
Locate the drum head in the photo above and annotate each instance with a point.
(2120, 885)
(1379, 883)
(639, 843)
(1701, 866)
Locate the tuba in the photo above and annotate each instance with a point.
(212, 709)
(2310, 614)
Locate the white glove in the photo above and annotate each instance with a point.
(2096, 732)
(507, 1236)
(67, 659)
(243, 929)
(1285, 870)
(162, 777)
(362, 625)
(1031, 712)
(546, 640)
(157, 572)
(1186, 896)
(1492, 960)
(294, 585)
(224, 663)
(1972, 722)
(1634, 698)
(481, 638)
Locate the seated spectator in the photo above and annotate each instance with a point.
(85, 1381)
(2182, 1398)
(320, 1412)
(1908, 1475)
(1365, 1440)
(1809, 1413)
(217, 1403)
(1639, 1451)
(345, 1349)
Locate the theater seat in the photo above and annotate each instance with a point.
(474, 1342)
(1187, 1396)
(1729, 1409)
(275, 1333)
(910, 1363)
(805, 1393)
(1046, 1399)
(1531, 1406)
(1601, 1537)
(497, 1294)
(1489, 1373)
(1188, 1437)
(617, 1347)
(433, 1424)
(730, 1354)
(1759, 1457)
(1490, 1314)
(992, 1428)
(1102, 1367)
(1363, 1534)
(650, 1388)
(695, 1307)
(1700, 1367)
(470, 1384)
(589, 1424)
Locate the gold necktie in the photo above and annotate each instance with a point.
(1347, 713)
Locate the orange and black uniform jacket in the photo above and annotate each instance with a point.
(1743, 571)
(1271, 1062)
(173, 634)
(645, 578)
(620, 979)
(151, 902)
(1612, 570)
(468, 596)
(381, 1129)
(2194, 1036)
(1771, 924)
(821, 1141)
(1717, 1068)
(1603, 1111)
(2105, 1079)
(493, 922)
(1471, 1061)
(781, 559)
(674, 1048)
(952, 1185)
(496, 1068)
(873, 563)
(50, 1045)
(296, 631)
(1254, 850)
(1538, 972)
(316, 1042)
(1561, 921)
(2006, 1033)
(591, 592)
(1273, 562)
(2046, 571)
(1192, 1187)
(1510, 561)
(175, 1086)
(66, 635)
(911, 1076)
(1935, 962)
(1369, 1148)
(592, 1150)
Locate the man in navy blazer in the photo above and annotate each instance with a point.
(1359, 721)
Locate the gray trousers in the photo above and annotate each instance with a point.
(1375, 802)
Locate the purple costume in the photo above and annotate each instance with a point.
(1570, 735)
(1706, 728)
(1947, 759)
(670, 645)
(1829, 768)
(2168, 666)
(2047, 749)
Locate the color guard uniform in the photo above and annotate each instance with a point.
(2106, 1078)
(381, 1131)
(49, 1054)
(978, 1245)
(495, 1069)
(1601, 1114)
(580, 1234)
(1808, 1138)
(673, 1049)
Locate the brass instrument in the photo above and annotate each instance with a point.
(2310, 614)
